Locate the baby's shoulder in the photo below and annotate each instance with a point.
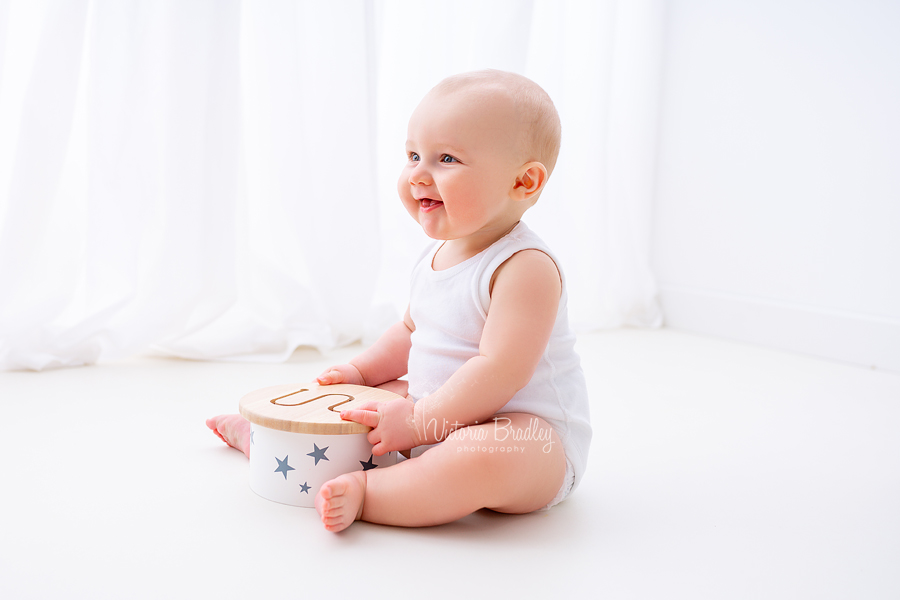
(528, 269)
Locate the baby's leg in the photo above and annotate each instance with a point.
(398, 386)
(481, 466)
(234, 431)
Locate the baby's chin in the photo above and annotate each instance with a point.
(437, 236)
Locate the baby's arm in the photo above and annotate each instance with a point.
(524, 303)
(386, 360)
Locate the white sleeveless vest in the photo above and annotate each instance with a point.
(449, 309)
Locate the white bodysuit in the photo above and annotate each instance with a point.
(449, 309)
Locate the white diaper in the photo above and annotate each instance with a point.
(564, 490)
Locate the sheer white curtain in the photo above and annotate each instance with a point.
(217, 179)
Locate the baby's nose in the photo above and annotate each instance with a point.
(420, 176)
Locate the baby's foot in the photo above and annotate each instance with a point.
(234, 431)
(340, 501)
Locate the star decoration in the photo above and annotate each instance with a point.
(283, 466)
(318, 453)
(368, 464)
(304, 487)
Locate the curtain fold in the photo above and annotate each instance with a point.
(37, 281)
(217, 179)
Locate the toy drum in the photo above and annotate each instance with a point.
(298, 440)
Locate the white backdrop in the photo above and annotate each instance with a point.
(216, 179)
(777, 206)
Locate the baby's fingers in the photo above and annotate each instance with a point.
(346, 373)
(379, 449)
(330, 377)
(370, 405)
(369, 418)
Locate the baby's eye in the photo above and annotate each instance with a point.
(446, 158)
(413, 156)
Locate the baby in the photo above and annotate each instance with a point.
(495, 411)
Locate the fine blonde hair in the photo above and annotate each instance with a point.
(541, 129)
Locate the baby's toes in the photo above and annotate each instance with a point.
(336, 524)
(323, 500)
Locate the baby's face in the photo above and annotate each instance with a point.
(462, 161)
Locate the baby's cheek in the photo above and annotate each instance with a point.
(403, 183)
(410, 203)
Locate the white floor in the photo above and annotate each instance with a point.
(718, 470)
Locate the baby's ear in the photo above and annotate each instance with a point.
(530, 181)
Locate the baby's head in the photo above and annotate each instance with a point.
(534, 119)
(480, 148)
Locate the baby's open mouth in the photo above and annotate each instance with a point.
(427, 203)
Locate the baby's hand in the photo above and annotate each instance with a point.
(341, 374)
(392, 422)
